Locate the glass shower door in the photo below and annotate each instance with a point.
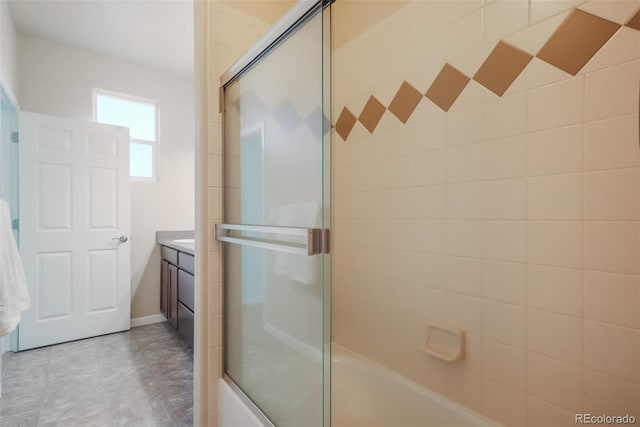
(276, 176)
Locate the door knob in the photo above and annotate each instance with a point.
(121, 239)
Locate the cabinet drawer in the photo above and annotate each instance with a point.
(185, 261)
(185, 289)
(185, 324)
(169, 254)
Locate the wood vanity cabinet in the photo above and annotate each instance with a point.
(177, 291)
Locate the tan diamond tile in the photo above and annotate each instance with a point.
(634, 22)
(447, 86)
(502, 67)
(405, 102)
(372, 113)
(577, 39)
(345, 123)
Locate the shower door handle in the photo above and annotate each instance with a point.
(316, 242)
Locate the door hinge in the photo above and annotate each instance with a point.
(15, 137)
(15, 224)
(319, 241)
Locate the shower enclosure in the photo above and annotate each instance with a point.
(276, 220)
(485, 216)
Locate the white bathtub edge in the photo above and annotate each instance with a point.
(232, 411)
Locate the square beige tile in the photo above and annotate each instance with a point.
(612, 195)
(405, 102)
(464, 163)
(505, 199)
(504, 364)
(464, 275)
(505, 323)
(605, 394)
(544, 414)
(612, 298)
(505, 241)
(612, 91)
(555, 289)
(447, 86)
(556, 105)
(612, 349)
(555, 335)
(464, 125)
(555, 197)
(566, 146)
(464, 200)
(577, 39)
(612, 246)
(502, 67)
(555, 381)
(464, 238)
(505, 116)
(505, 158)
(507, 406)
(555, 243)
(611, 143)
(466, 388)
(504, 281)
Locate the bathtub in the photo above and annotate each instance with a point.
(367, 394)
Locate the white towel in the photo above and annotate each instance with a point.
(14, 295)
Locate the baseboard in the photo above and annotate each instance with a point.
(147, 320)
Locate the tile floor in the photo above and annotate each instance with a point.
(139, 378)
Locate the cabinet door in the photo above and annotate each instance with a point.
(185, 289)
(164, 288)
(173, 295)
(185, 330)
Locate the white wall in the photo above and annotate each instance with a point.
(57, 79)
(8, 58)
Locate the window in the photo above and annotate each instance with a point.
(141, 117)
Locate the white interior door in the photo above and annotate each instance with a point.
(74, 201)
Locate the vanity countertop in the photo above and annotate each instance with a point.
(179, 240)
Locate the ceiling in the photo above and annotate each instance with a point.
(157, 33)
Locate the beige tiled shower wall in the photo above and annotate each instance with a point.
(233, 27)
(515, 218)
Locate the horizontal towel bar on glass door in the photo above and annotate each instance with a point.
(316, 239)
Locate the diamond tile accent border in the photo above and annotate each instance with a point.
(502, 67)
(577, 39)
(634, 22)
(447, 87)
(346, 122)
(405, 102)
(571, 46)
(372, 113)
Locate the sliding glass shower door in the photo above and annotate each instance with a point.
(275, 236)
